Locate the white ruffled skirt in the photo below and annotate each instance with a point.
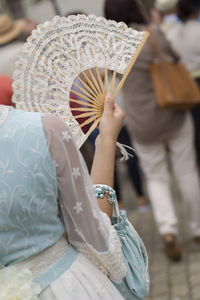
(82, 281)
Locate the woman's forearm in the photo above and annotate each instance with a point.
(104, 159)
(103, 164)
(102, 171)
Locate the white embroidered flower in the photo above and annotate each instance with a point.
(3, 196)
(11, 133)
(102, 229)
(4, 166)
(78, 207)
(4, 109)
(76, 172)
(66, 136)
(17, 284)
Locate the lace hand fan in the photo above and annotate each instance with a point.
(64, 58)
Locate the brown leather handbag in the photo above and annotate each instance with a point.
(174, 87)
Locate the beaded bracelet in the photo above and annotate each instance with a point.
(102, 189)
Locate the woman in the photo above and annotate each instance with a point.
(6, 91)
(12, 36)
(39, 163)
(158, 133)
(133, 166)
(184, 37)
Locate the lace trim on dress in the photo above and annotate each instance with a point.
(4, 109)
(108, 262)
(40, 262)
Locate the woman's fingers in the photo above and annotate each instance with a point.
(110, 106)
(112, 118)
(109, 103)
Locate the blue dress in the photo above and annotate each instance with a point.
(50, 221)
(36, 192)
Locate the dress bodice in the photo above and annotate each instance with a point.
(29, 220)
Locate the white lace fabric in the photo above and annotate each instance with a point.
(88, 229)
(58, 51)
(106, 262)
(4, 109)
(40, 262)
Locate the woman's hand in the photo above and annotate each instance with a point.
(111, 120)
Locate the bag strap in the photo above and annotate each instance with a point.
(154, 45)
(115, 210)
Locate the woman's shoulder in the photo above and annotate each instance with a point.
(49, 121)
(53, 122)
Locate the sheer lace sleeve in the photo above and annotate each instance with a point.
(88, 229)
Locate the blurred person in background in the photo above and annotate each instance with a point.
(16, 8)
(12, 37)
(159, 134)
(6, 91)
(185, 38)
(132, 164)
(164, 14)
(134, 172)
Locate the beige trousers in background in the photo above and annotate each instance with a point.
(155, 165)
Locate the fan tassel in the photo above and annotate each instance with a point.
(124, 152)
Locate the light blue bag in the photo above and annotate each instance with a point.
(135, 285)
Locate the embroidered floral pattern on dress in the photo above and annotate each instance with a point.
(66, 136)
(4, 109)
(4, 166)
(76, 172)
(10, 133)
(78, 207)
(24, 222)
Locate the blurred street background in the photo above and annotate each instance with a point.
(43, 10)
(169, 280)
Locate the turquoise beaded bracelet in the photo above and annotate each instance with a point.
(102, 189)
